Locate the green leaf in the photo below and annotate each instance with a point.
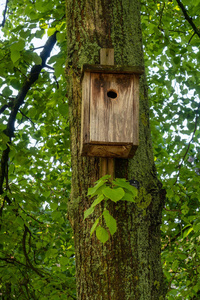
(15, 83)
(187, 232)
(15, 55)
(196, 227)
(46, 194)
(37, 59)
(18, 45)
(94, 226)
(99, 183)
(128, 197)
(51, 31)
(64, 260)
(56, 216)
(7, 91)
(110, 222)
(102, 234)
(61, 37)
(63, 109)
(126, 185)
(182, 256)
(97, 201)
(88, 212)
(54, 206)
(114, 194)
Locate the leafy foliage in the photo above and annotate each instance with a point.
(172, 39)
(36, 250)
(104, 190)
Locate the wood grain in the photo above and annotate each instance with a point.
(107, 165)
(111, 120)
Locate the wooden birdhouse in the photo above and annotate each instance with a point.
(110, 111)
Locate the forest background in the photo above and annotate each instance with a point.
(36, 249)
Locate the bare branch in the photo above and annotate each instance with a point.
(3, 108)
(49, 67)
(27, 117)
(188, 18)
(4, 14)
(33, 49)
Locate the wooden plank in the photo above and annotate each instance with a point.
(109, 151)
(85, 113)
(111, 167)
(136, 110)
(112, 69)
(106, 56)
(110, 119)
(107, 166)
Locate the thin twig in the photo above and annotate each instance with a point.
(191, 38)
(49, 67)
(33, 49)
(5, 106)
(30, 215)
(27, 117)
(176, 210)
(188, 147)
(188, 18)
(10, 98)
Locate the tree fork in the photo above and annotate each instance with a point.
(128, 266)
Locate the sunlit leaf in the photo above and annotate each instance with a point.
(114, 194)
(102, 234)
(110, 222)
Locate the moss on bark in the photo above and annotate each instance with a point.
(128, 266)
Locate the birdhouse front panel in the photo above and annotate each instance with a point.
(110, 109)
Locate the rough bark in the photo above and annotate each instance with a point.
(128, 266)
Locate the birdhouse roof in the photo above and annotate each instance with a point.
(112, 69)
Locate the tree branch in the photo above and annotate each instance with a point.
(188, 18)
(49, 67)
(4, 14)
(19, 100)
(3, 108)
(30, 215)
(10, 98)
(188, 147)
(33, 76)
(27, 117)
(26, 230)
(11, 260)
(191, 38)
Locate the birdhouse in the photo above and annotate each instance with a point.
(110, 111)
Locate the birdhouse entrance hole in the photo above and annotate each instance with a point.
(112, 94)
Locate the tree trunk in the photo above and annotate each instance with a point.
(128, 266)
